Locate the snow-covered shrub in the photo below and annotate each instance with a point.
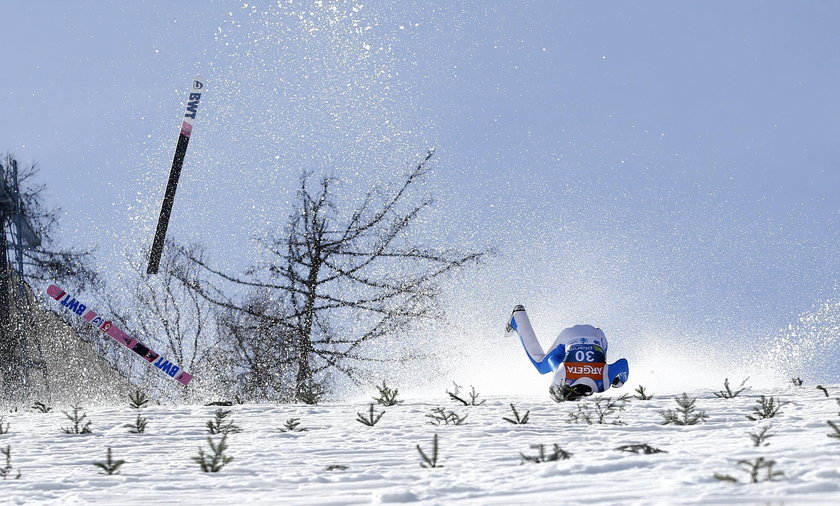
(685, 414)
(371, 419)
(728, 393)
(78, 427)
(642, 395)
(387, 396)
(597, 411)
(138, 399)
(4, 429)
(292, 425)
(433, 460)
(311, 392)
(640, 448)
(215, 462)
(41, 407)
(473, 396)
(517, 419)
(138, 427)
(754, 468)
(440, 415)
(768, 407)
(221, 425)
(110, 466)
(557, 454)
(836, 430)
(6, 470)
(761, 436)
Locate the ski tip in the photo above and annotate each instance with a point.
(184, 378)
(55, 292)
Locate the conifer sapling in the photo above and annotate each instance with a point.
(685, 414)
(78, 426)
(110, 466)
(215, 462)
(433, 460)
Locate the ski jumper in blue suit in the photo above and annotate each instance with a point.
(578, 358)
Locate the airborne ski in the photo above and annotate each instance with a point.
(80, 309)
(198, 89)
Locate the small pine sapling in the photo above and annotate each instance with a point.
(753, 469)
(4, 429)
(597, 411)
(110, 466)
(6, 470)
(642, 395)
(760, 438)
(768, 407)
(725, 477)
(387, 396)
(427, 461)
(728, 393)
(138, 427)
(371, 419)
(440, 415)
(215, 462)
(78, 427)
(292, 425)
(220, 425)
(517, 419)
(640, 448)
(557, 454)
(220, 403)
(311, 392)
(836, 430)
(473, 397)
(685, 414)
(41, 407)
(137, 399)
(824, 390)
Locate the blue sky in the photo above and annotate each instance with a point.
(643, 166)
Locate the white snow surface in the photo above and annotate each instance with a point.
(481, 459)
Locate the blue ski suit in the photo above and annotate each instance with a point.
(578, 357)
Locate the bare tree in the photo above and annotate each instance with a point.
(47, 262)
(163, 313)
(22, 202)
(337, 280)
(260, 346)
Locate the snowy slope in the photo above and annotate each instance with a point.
(481, 458)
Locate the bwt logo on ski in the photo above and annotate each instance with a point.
(167, 367)
(192, 105)
(197, 85)
(73, 305)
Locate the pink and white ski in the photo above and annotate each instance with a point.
(77, 307)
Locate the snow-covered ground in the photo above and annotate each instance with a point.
(481, 459)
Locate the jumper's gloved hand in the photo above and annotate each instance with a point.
(509, 325)
(562, 393)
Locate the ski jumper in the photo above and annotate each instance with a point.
(578, 357)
